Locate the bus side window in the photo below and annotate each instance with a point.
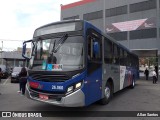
(108, 57)
(129, 59)
(122, 57)
(89, 47)
(116, 54)
(126, 63)
(94, 49)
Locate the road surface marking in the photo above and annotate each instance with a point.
(6, 81)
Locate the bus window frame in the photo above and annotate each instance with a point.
(93, 35)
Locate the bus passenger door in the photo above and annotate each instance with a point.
(94, 73)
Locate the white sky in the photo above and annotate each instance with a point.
(19, 19)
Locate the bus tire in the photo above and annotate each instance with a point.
(133, 83)
(107, 94)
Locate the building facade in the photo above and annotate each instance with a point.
(13, 59)
(133, 23)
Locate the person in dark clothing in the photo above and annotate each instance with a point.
(23, 79)
(156, 70)
(20, 87)
(146, 72)
(52, 59)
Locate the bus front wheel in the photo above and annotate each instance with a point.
(107, 94)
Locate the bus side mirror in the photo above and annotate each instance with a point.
(26, 54)
(96, 48)
(24, 49)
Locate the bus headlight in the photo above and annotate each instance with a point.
(78, 85)
(70, 89)
(74, 87)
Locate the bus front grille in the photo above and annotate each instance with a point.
(49, 78)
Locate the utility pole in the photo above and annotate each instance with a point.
(1, 54)
(2, 45)
(158, 38)
(104, 16)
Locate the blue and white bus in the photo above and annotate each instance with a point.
(74, 64)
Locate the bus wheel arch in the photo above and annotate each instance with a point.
(108, 92)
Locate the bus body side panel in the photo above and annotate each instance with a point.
(129, 74)
(92, 87)
(124, 76)
(111, 72)
(121, 75)
(135, 73)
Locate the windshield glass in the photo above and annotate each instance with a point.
(58, 54)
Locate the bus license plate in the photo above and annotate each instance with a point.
(44, 97)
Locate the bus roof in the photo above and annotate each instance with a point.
(60, 22)
(61, 26)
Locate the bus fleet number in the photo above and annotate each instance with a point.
(54, 87)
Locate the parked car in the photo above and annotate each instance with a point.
(5, 71)
(15, 74)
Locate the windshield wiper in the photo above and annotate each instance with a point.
(59, 43)
(52, 59)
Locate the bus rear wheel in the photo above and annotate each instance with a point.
(107, 94)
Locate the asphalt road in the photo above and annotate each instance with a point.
(144, 97)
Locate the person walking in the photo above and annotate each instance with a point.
(20, 86)
(146, 72)
(156, 70)
(23, 79)
(154, 77)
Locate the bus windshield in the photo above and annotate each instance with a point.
(58, 54)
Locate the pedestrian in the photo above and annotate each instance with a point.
(154, 77)
(146, 72)
(20, 86)
(23, 80)
(156, 70)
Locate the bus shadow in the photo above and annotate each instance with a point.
(121, 92)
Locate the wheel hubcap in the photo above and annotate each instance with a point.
(107, 92)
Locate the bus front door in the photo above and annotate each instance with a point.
(94, 76)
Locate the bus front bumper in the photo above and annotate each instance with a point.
(75, 99)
